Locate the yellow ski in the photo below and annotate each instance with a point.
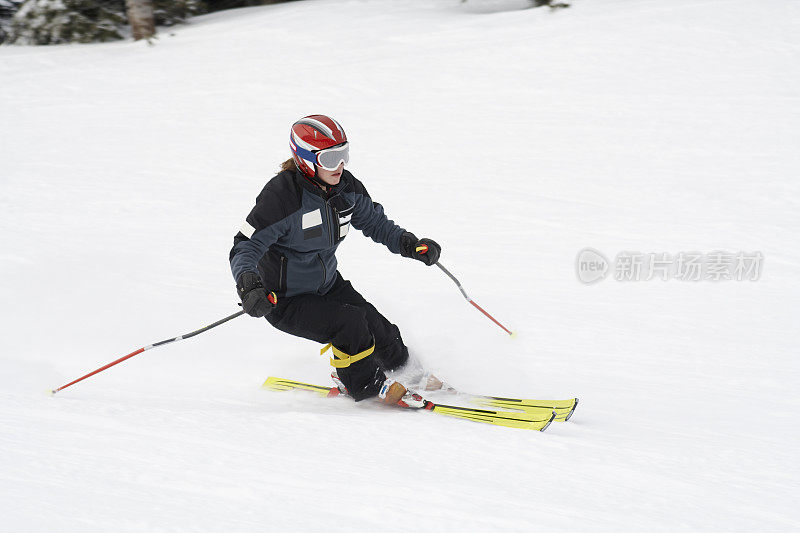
(538, 421)
(562, 408)
(279, 384)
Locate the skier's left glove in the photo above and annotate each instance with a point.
(425, 250)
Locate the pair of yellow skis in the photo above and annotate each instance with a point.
(525, 414)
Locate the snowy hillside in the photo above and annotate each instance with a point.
(515, 138)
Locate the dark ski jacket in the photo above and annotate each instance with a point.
(291, 235)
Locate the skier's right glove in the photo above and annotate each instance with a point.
(255, 300)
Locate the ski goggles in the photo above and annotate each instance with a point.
(331, 158)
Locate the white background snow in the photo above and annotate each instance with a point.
(513, 137)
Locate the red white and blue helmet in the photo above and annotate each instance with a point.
(318, 140)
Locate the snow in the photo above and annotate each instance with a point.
(513, 137)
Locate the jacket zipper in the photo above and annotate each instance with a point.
(330, 223)
(336, 228)
(324, 273)
(281, 282)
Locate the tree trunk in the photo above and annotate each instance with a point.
(140, 15)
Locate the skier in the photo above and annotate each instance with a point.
(284, 263)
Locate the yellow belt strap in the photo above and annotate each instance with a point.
(344, 360)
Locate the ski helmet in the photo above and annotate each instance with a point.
(311, 138)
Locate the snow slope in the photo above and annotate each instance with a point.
(513, 137)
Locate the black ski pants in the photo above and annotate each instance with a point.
(345, 319)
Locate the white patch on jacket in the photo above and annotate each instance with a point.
(314, 218)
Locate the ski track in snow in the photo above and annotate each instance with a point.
(515, 138)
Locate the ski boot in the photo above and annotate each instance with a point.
(339, 384)
(394, 393)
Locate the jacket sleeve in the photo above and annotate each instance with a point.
(368, 216)
(266, 223)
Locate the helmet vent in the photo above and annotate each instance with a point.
(318, 127)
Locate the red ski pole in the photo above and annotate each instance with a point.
(148, 347)
(424, 248)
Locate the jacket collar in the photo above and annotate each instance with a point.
(313, 188)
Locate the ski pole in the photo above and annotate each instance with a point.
(424, 248)
(149, 346)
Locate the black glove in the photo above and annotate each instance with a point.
(425, 250)
(255, 300)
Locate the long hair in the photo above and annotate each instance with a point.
(289, 164)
